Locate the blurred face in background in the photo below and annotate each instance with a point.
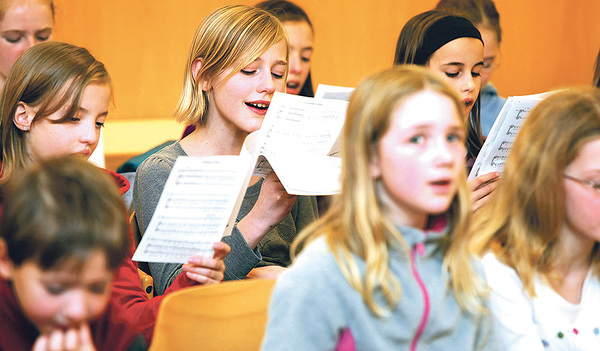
(301, 49)
(491, 54)
(25, 24)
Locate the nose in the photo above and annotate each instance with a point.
(295, 64)
(267, 83)
(469, 83)
(89, 134)
(75, 308)
(28, 42)
(443, 155)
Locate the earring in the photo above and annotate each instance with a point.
(25, 128)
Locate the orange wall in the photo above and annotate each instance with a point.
(144, 43)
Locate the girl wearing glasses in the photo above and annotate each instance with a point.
(539, 234)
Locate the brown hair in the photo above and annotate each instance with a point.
(410, 44)
(63, 209)
(596, 79)
(480, 12)
(48, 76)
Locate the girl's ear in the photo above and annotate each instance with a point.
(374, 167)
(196, 66)
(23, 117)
(6, 266)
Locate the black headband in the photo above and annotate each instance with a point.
(442, 32)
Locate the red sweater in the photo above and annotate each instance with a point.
(129, 297)
(17, 333)
(128, 304)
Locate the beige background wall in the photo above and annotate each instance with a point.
(144, 43)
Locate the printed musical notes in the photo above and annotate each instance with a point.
(202, 196)
(496, 148)
(296, 139)
(197, 207)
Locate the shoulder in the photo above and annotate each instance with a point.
(312, 288)
(314, 273)
(502, 279)
(158, 165)
(314, 260)
(494, 268)
(164, 158)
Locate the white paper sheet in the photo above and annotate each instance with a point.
(197, 207)
(325, 91)
(203, 195)
(296, 135)
(497, 146)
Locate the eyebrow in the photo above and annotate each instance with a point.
(454, 64)
(460, 64)
(278, 62)
(105, 113)
(427, 126)
(17, 31)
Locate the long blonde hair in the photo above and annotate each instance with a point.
(229, 36)
(521, 224)
(357, 225)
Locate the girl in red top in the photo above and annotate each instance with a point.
(54, 104)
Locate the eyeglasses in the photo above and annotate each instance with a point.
(592, 185)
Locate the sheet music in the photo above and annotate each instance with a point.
(197, 207)
(203, 195)
(296, 135)
(325, 91)
(497, 146)
(309, 175)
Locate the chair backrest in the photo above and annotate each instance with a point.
(143, 267)
(226, 316)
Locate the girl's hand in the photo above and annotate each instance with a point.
(77, 338)
(266, 272)
(481, 187)
(208, 270)
(273, 204)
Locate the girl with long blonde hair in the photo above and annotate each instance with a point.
(539, 234)
(387, 267)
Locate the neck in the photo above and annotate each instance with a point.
(402, 217)
(572, 264)
(212, 140)
(574, 251)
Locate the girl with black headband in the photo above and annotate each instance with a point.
(452, 47)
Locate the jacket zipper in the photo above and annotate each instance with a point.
(420, 248)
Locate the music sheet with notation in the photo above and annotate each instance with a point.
(203, 195)
(198, 206)
(498, 144)
(298, 140)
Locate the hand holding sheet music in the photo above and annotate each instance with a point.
(203, 195)
(497, 146)
(296, 137)
(197, 207)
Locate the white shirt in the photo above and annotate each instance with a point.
(546, 322)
